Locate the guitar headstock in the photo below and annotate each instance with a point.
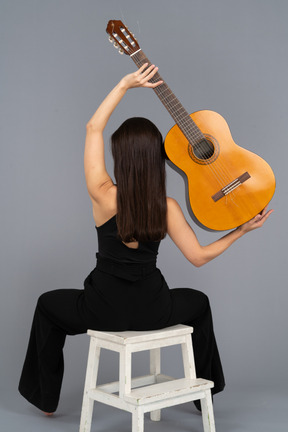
(123, 39)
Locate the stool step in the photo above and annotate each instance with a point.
(167, 390)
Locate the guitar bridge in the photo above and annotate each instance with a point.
(231, 186)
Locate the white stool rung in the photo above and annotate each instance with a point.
(140, 381)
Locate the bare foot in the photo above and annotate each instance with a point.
(48, 414)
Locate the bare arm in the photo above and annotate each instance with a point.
(184, 237)
(97, 178)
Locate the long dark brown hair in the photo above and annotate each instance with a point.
(139, 169)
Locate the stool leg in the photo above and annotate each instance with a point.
(188, 358)
(125, 371)
(207, 412)
(90, 382)
(155, 369)
(138, 420)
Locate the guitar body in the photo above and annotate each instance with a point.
(214, 203)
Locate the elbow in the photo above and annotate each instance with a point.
(200, 256)
(197, 263)
(92, 127)
(199, 260)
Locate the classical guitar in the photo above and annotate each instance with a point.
(227, 184)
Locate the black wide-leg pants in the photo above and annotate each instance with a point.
(144, 304)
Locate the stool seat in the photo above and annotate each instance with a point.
(149, 393)
(133, 336)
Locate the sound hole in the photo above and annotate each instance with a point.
(203, 150)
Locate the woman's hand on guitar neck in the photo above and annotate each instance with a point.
(256, 222)
(141, 78)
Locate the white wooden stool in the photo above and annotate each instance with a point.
(149, 393)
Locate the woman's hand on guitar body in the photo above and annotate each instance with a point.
(185, 238)
(256, 222)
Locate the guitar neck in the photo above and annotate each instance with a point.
(171, 103)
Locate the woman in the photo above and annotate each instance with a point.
(126, 290)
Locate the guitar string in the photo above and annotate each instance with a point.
(186, 129)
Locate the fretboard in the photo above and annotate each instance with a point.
(172, 104)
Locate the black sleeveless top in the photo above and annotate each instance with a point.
(112, 248)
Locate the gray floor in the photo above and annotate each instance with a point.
(250, 410)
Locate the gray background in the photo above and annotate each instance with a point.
(56, 67)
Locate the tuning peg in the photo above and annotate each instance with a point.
(121, 51)
(116, 45)
(110, 39)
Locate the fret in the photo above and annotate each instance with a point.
(172, 104)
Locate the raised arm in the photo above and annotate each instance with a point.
(97, 178)
(184, 237)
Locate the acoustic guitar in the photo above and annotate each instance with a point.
(227, 184)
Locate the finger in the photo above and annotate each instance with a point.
(150, 74)
(157, 83)
(264, 210)
(262, 218)
(153, 85)
(142, 68)
(145, 69)
(257, 218)
(265, 216)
